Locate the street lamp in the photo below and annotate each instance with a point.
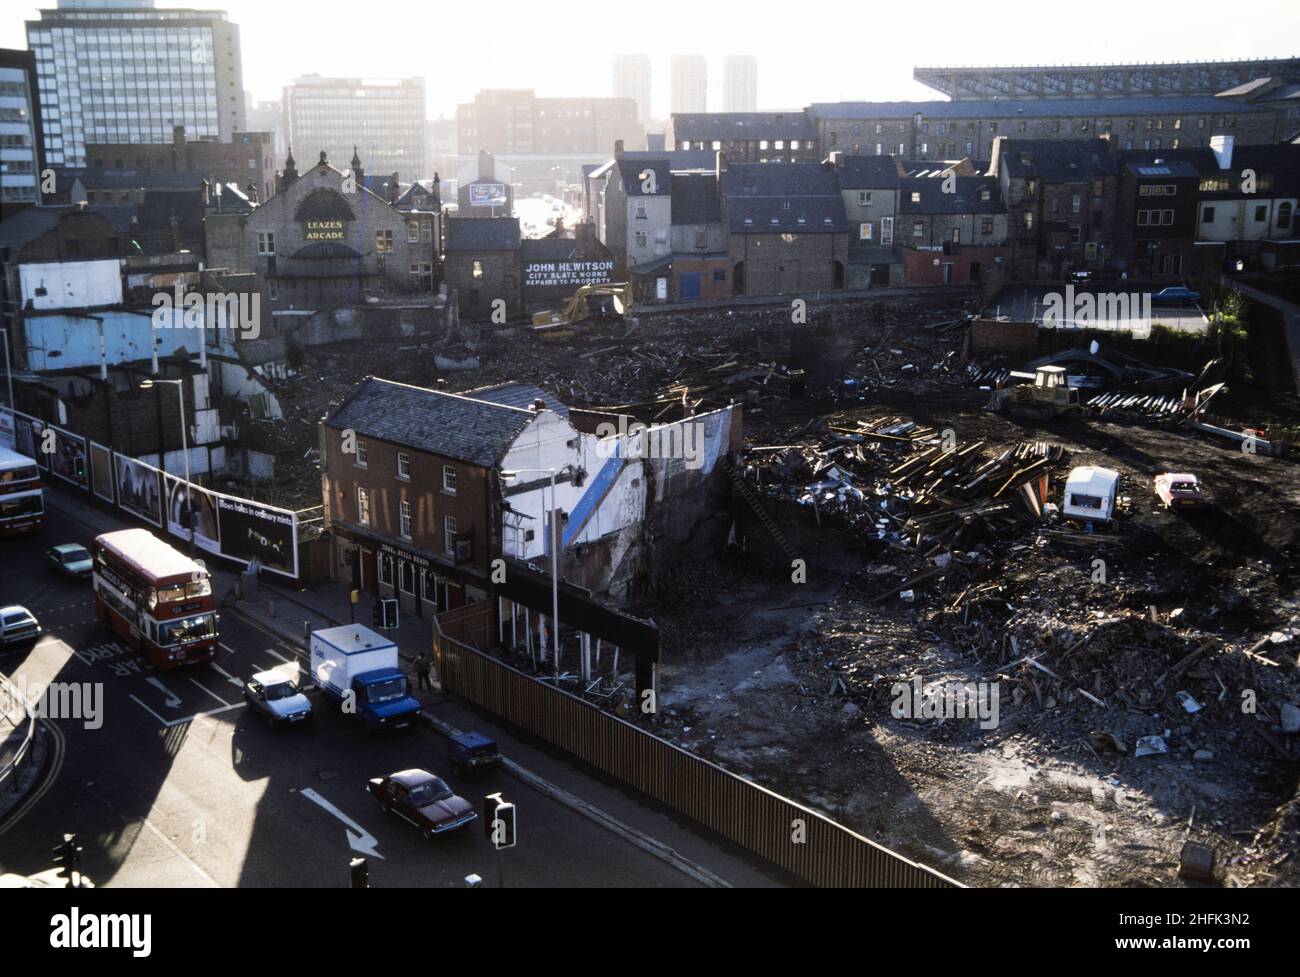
(555, 552)
(9, 377)
(185, 448)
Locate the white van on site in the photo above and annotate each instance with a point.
(1090, 494)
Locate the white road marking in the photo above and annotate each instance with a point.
(173, 700)
(359, 839)
(229, 678)
(210, 692)
(169, 723)
(269, 651)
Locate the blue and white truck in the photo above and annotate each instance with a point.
(358, 669)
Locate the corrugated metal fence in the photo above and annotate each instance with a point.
(798, 840)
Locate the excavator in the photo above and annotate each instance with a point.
(590, 302)
(1048, 395)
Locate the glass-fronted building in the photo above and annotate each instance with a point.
(123, 71)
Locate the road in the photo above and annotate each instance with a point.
(172, 783)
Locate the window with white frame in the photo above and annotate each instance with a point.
(449, 479)
(407, 522)
(449, 535)
(412, 233)
(363, 506)
(362, 454)
(385, 569)
(404, 466)
(265, 242)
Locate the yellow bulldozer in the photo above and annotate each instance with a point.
(588, 304)
(1048, 395)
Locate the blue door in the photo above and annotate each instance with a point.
(688, 285)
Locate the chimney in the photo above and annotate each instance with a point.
(837, 159)
(485, 168)
(618, 148)
(539, 405)
(1222, 147)
(395, 193)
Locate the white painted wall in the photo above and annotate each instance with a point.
(71, 284)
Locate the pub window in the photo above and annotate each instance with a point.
(265, 242)
(407, 573)
(361, 454)
(403, 466)
(449, 479)
(385, 569)
(363, 506)
(406, 519)
(449, 535)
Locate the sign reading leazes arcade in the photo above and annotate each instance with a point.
(553, 274)
(325, 231)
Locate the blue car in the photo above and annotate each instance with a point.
(1176, 295)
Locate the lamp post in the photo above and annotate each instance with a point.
(555, 553)
(185, 448)
(9, 378)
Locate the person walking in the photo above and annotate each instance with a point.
(422, 672)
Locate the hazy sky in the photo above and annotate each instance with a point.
(807, 51)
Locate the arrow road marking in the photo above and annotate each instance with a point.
(173, 700)
(359, 839)
(229, 678)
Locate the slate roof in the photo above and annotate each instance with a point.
(324, 204)
(482, 234)
(696, 199)
(1028, 108)
(109, 178)
(1059, 160)
(548, 249)
(966, 199)
(24, 226)
(780, 180)
(742, 125)
(631, 169)
(869, 173)
(517, 394)
(461, 428)
(768, 198)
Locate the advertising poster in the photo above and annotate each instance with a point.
(7, 430)
(204, 506)
(138, 490)
(250, 531)
(68, 460)
(26, 433)
(487, 194)
(101, 471)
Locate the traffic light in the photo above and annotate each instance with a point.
(67, 859)
(499, 821)
(360, 873)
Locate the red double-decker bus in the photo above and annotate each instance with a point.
(22, 505)
(155, 597)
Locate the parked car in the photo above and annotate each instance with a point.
(424, 799)
(18, 626)
(1181, 491)
(278, 698)
(1176, 295)
(71, 559)
(470, 751)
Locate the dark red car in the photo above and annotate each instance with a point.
(424, 799)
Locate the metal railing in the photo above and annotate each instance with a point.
(12, 768)
(792, 837)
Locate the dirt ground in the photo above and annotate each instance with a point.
(752, 682)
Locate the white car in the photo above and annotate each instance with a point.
(278, 698)
(18, 626)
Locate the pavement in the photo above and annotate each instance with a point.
(606, 835)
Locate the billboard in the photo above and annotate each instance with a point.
(101, 471)
(27, 431)
(487, 194)
(567, 274)
(204, 506)
(251, 531)
(138, 489)
(68, 460)
(6, 430)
